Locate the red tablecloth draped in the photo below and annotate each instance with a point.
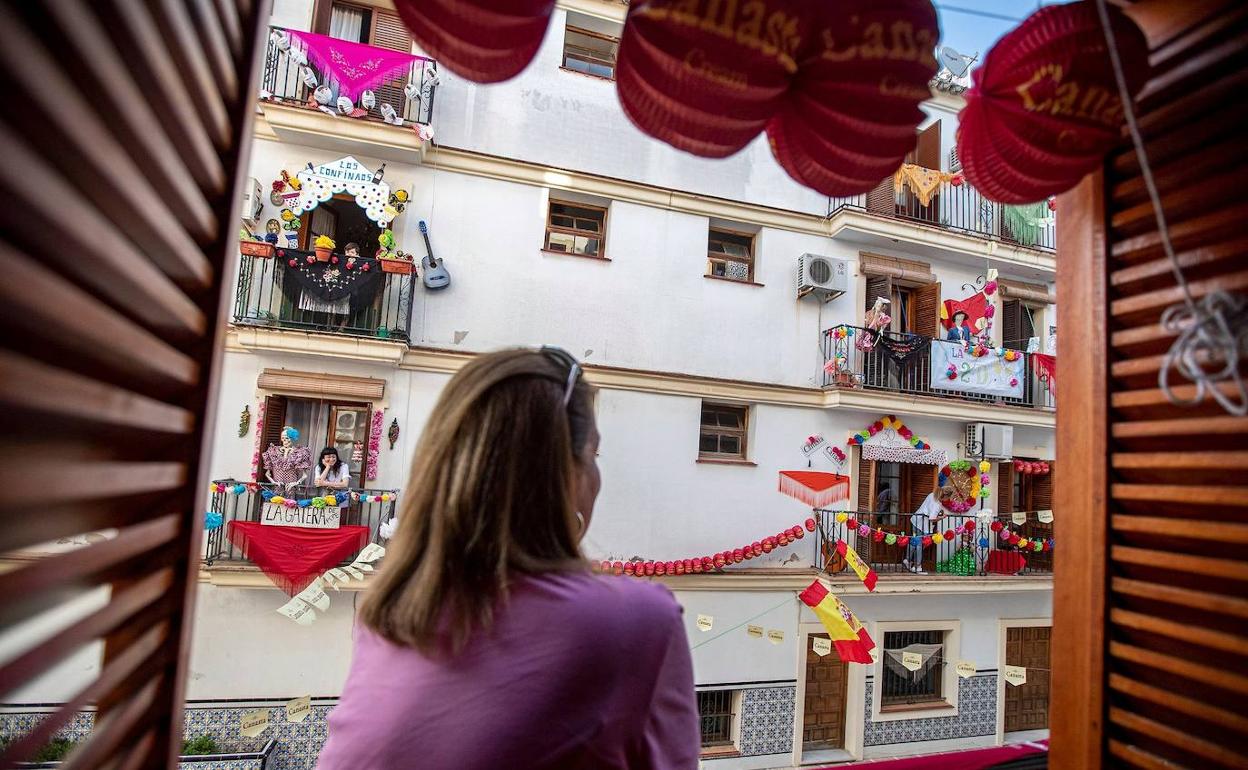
(293, 557)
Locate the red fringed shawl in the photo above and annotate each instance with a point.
(293, 557)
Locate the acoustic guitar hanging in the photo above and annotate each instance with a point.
(433, 270)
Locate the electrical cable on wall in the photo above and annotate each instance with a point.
(1208, 332)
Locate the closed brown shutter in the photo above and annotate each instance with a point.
(1150, 498)
(866, 483)
(1004, 493)
(274, 421)
(882, 199)
(388, 32)
(927, 148)
(1010, 310)
(918, 481)
(121, 208)
(877, 286)
(1042, 490)
(926, 318)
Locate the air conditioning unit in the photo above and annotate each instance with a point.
(824, 277)
(253, 203)
(988, 440)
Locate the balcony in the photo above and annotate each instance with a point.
(283, 82)
(246, 507)
(960, 214)
(977, 552)
(881, 369)
(270, 295)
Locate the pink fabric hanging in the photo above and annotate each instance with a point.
(356, 67)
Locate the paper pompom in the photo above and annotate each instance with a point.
(388, 527)
(863, 530)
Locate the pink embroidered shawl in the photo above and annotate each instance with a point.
(356, 67)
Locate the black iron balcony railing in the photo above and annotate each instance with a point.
(962, 209)
(283, 80)
(980, 550)
(246, 507)
(268, 296)
(848, 366)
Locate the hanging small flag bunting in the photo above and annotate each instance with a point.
(299, 611)
(254, 722)
(754, 631)
(820, 645)
(298, 709)
(911, 661)
(1044, 517)
(774, 636)
(1015, 675)
(1019, 517)
(315, 596)
(966, 669)
(705, 622)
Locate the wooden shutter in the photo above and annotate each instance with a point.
(927, 148)
(1150, 498)
(1010, 311)
(877, 286)
(882, 199)
(121, 208)
(926, 305)
(918, 481)
(1004, 493)
(389, 32)
(866, 483)
(1042, 490)
(274, 421)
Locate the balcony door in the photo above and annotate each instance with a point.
(883, 199)
(891, 492)
(914, 307)
(824, 706)
(322, 423)
(1027, 705)
(371, 26)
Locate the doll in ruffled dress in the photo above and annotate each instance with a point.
(286, 464)
(875, 320)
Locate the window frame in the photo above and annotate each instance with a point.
(718, 257)
(742, 433)
(731, 744)
(575, 232)
(948, 705)
(323, 11)
(615, 53)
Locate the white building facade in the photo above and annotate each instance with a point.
(675, 280)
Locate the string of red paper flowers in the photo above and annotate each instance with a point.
(713, 563)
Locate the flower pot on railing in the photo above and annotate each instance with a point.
(323, 255)
(324, 248)
(256, 249)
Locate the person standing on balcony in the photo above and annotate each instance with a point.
(921, 523)
(485, 641)
(960, 331)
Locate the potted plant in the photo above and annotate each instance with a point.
(396, 262)
(324, 247)
(252, 248)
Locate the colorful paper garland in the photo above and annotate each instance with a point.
(979, 483)
(715, 563)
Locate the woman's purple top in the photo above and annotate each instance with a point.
(579, 671)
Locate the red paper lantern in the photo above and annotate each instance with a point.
(810, 525)
(767, 546)
(697, 566)
(617, 568)
(1045, 108)
(969, 526)
(628, 568)
(737, 555)
(708, 564)
(649, 568)
(486, 42)
(798, 533)
(678, 568)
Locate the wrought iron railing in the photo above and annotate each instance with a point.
(267, 296)
(847, 365)
(282, 79)
(970, 552)
(245, 506)
(962, 209)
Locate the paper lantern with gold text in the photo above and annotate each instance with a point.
(486, 41)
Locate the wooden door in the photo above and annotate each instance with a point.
(1027, 705)
(823, 712)
(1150, 499)
(122, 198)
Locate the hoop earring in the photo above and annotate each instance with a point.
(580, 518)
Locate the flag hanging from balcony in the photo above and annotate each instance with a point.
(855, 562)
(292, 557)
(853, 643)
(355, 67)
(818, 489)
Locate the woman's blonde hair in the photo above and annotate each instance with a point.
(491, 494)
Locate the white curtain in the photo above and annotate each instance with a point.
(346, 23)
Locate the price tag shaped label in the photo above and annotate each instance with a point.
(754, 631)
(820, 645)
(705, 622)
(1044, 517)
(1015, 675)
(254, 722)
(1019, 517)
(298, 709)
(966, 669)
(911, 661)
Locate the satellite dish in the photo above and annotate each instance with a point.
(957, 64)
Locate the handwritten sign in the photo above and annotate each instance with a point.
(820, 645)
(754, 631)
(774, 636)
(298, 709)
(315, 518)
(254, 722)
(705, 622)
(1044, 517)
(1015, 675)
(966, 669)
(988, 374)
(911, 661)
(346, 169)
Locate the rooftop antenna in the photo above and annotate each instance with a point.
(958, 64)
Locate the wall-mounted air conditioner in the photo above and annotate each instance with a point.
(984, 439)
(820, 276)
(253, 203)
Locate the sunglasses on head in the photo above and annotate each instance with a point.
(564, 358)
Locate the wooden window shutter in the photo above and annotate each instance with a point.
(1011, 309)
(122, 194)
(1042, 490)
(926, 318)
(274, 421)
(882, 199)
(389, 32)
(319, 384)
(1150, 498)
(877, 286)
(927, 148)
(866, 483)
(919, 482)
(1004, 493)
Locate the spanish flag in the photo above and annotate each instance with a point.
(853, 643)
(855, 562)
